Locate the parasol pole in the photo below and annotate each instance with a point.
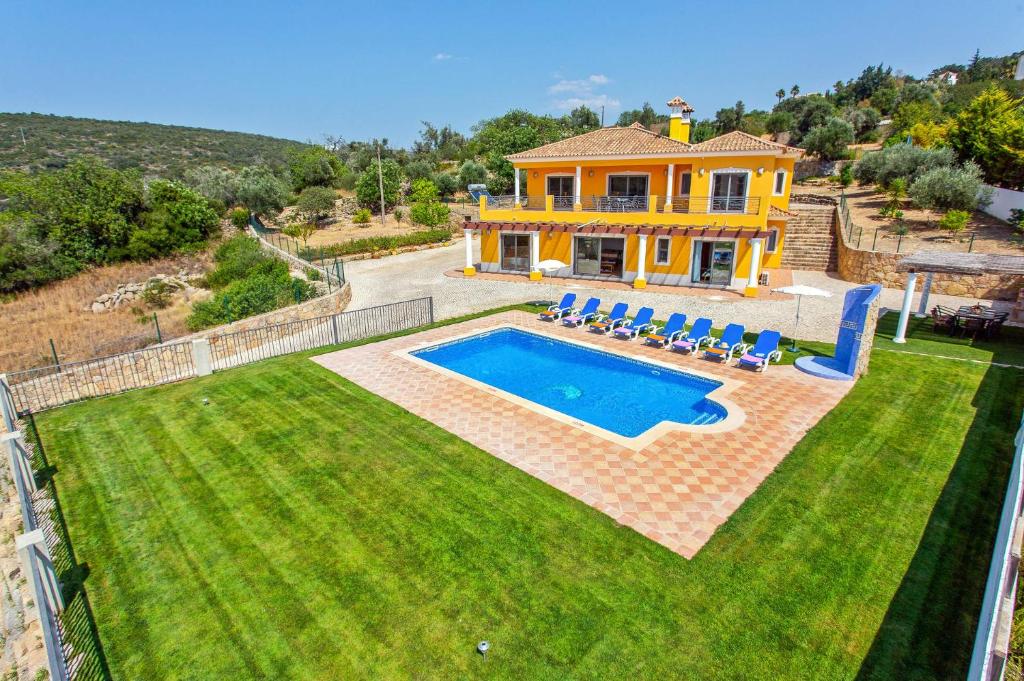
(793, 347)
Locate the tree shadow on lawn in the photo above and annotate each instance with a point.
(77, 624)
(928, 631)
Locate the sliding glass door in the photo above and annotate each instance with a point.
(561, 188)
(515, 252)
(712, 262)
(599, 256)
(729, 193)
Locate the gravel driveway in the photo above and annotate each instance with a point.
(421, 273)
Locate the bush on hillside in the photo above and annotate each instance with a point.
(900, 161)
(315, 204)
(362, 216)
(261, 191)
(240, 218)
(828, 142)
(368, 191)
(955, 221)
(950, 188)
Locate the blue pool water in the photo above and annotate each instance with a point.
(623, 395)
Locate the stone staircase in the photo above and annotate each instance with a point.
(810, 239)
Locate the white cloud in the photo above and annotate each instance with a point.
(583, 86)
(582, 92)
(442, 56)
(595, 102)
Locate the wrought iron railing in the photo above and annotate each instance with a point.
(616, 204)
(703, 205)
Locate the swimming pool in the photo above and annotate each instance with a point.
(620, 394)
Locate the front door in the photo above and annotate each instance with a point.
(729, 193)
(712, 263)
(515, 252)
(562, 188)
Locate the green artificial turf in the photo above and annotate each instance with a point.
(300, 527)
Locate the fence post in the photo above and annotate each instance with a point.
(431, 301)
(201, 357)
(875, 239)
(16, 461)
(53, 350)
(42, 578)
(7, 408)
(156, 323)
(334, 328)
(970, 246)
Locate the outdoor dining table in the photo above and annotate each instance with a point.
(976, 318)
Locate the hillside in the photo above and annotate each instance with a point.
(164, 150)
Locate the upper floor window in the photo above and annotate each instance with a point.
(684, 184)
(729, 191)
(627, 185)
(663, 250)
(779, 188)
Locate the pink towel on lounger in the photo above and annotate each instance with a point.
(752, 359)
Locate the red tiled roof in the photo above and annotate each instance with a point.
(741, 141)
(635, 140)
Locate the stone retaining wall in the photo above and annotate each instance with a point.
(872, 267)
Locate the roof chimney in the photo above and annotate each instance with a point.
(679, 122)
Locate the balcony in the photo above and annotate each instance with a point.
(739, 211)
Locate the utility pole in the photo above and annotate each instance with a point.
(380, 181)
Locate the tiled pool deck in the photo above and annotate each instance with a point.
(675, 490)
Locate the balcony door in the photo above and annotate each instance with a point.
(562, 187)
(515, 252)
(729, 192)
(627, 192)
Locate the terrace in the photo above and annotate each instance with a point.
(287, 521)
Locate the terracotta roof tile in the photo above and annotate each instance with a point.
(741, 141)
(614, 141)
(780, 213)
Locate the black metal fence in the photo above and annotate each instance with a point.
(52, 386)
(883, 239)
(330, 269)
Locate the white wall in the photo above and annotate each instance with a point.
(1003, 201)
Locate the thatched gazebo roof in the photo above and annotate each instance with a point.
(962, 263)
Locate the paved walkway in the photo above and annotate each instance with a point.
(422, 273)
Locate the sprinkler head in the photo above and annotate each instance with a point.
(206, 400)
(483, 647)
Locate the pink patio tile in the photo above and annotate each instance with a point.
(677, 490)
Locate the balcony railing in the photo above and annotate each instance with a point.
(693, 205)
(616, 204)
(702, 205)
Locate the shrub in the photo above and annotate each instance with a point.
(374, 244)
(846, 175)
(300, 230)
(1017, 219)
(828, 142)
(990, 131)
(314, 166)
(418, 170)
(240, 218)
(472, 172)
(949, 188)
(399, 214)
(430, 214)
(213, 182)
(780, 121)
(315, 203)
(446, 183)
(896, 191)
(955, 220)
(260, 191)
(312, 274)
(899, 161)
(362, 216)
(233, 259)
(368, 186)
(864, 121)
(157, 293)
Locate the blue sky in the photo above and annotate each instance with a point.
(376, 69)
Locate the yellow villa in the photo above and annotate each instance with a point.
(628, 204)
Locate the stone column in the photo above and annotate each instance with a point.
(515, 172)
(755, 268)
(469, 270)
(926, 289)
(908, 298)
(668, 187)
(577, 189)
(641, 262)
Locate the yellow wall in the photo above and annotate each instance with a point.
(774, 260)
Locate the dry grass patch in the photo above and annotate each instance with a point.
(57, 311)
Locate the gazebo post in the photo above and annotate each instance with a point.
(908, 299)
(926, 289)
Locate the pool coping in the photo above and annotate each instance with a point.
(735, 418)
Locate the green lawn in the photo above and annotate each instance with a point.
(300, 527)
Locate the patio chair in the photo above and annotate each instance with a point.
(604, 323)
(690, 341)
(729, 344)
(673, 329)
(581, 316)
(633, 328)
(766, 349)
(556, 311)
(943, 319)
(973, 326)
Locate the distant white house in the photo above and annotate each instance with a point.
(1019, 75)
(948, 77)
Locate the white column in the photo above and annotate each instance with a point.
(926, 289)
(641, 263)
(755, 264)
(469, 270)
(515, 172)
(576, 186)
(668, 185)
(535, 272)
(908, 298)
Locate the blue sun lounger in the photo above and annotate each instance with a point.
(765, 349)
(672, 330)
(730, 343)
(584, 314)
(556, 311)
(690, 341)
(606, 322)
(634, 327)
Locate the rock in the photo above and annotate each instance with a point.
(104, 298)
(98, 307)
